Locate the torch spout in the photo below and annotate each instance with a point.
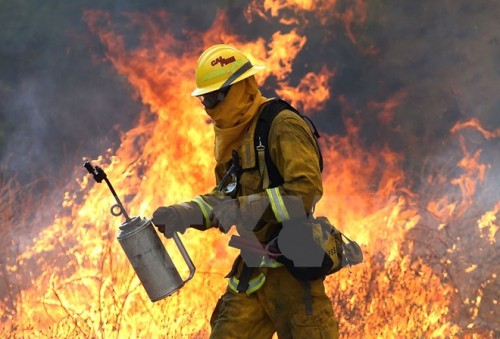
(99, 175)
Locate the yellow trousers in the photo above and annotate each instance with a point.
(279, 306)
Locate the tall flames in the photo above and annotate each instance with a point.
(83, 285)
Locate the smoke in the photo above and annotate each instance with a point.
(58, 101)
(443, 55)
(61, 99)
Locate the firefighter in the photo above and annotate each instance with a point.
(262, 297)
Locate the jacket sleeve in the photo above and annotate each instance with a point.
(293, 149)
(206, 202)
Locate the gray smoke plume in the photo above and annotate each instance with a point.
(59, 98)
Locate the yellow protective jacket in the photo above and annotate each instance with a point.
(294, 152)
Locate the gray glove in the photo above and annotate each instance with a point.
(168, 221)
(177, 218)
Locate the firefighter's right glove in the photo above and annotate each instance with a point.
(177, 218)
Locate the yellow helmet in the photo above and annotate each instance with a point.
(221, 66)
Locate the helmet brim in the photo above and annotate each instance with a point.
(204, 90)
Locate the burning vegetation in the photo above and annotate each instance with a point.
(427, 221)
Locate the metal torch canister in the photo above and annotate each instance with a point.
(150, 259)
(144, 249)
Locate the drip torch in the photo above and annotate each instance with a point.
(144, 249)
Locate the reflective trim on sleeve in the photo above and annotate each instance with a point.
(277, 204)
(205, 209)
(253, 285)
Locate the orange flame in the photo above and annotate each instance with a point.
(85, 287)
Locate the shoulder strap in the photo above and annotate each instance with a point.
(261, 136)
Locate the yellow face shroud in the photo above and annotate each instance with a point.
(233, 116)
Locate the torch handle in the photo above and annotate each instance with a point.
(186, 257)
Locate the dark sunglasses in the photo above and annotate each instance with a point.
(212, 99)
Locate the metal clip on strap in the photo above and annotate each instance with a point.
(233, 170)
(262, 164)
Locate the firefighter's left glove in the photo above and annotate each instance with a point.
(226, 214)
(177, 218)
